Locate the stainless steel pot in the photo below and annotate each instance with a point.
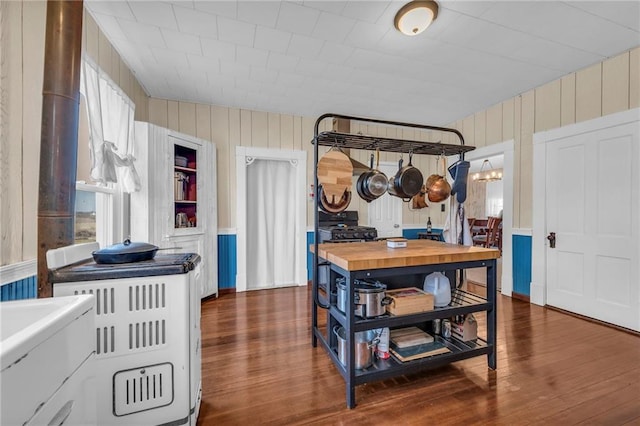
(369, 298)
(364, 344)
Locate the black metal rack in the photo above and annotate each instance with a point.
(462, 302)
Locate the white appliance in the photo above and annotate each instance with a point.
(48, 362)
(147, 333)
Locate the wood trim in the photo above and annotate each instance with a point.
(223, 291)
(595, 321)
(520, 296)
(18, 271)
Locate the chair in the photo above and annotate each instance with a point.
(490, 237)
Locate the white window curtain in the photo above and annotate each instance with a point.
(271, 224)
(111, 124)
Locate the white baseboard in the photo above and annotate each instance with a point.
(537, 295)
(18, 271)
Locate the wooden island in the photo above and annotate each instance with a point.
(375, 261)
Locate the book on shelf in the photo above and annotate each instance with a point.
(409, 336)
(411, 353)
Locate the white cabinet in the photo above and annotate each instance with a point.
(177, 205)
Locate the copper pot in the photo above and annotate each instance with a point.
(438, 189)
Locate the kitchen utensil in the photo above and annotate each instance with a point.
(373, 183)
(407, 181)
(335, 173)
(369, 298)
(438, 284)
(438, 189)
(459, 171)
(125, 252)
(364, 344)
(333, 204)
(182, 220)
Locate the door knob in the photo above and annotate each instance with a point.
(552, 239)
(395, 225)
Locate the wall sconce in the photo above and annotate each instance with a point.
(414, 17)
(486, 173)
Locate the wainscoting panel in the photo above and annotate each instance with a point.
(227, 266)
(25, 288)
(522, 264)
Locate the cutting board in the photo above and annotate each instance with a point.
(335, 173)
(410, 336)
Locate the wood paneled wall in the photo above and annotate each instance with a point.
(232, 127)
(601, 89)
(22, 29)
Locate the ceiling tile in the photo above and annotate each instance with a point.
(365, 35)
(335, 52)
(154, 13)
(196, 22)
(119, 9)
(369, 11)
(218, 49)
(237, 32)
(553, 55)
(250, 56)
(332, 27)
(335, 7)
(235, 69)
(203, 63)
(259, 12)
(271, 39)
(181, 42)
(290, 79)
(110, 26)
(280, 62)
(168, 58)
(228, 9)
(310, 67)
(297, 19)
(144, 34)
(263, 75)
(304, 47)
(625, 13)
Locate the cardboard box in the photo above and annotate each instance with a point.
(409, 300)
(396, 242)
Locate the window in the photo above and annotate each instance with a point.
(99, 213)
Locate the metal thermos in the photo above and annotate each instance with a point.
(446, 328)
(436, 326)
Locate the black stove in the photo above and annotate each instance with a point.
(343, 227)
(161, 264)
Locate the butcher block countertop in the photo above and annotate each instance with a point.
(376, 254)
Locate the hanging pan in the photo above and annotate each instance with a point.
(373, 183)
(438, 189)
(407, 181)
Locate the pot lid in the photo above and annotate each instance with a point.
(126, 247)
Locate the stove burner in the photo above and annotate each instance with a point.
(347, 233)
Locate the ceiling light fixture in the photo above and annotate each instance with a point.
(486, 173)
(414, 17)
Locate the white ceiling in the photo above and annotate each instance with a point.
(311, 57)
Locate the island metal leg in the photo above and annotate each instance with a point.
(492, 312)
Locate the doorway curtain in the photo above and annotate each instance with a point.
(271, 224)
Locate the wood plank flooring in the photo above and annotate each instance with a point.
(259, 368)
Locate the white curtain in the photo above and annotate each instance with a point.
(271, 224)
(111, 124)
(456, 228)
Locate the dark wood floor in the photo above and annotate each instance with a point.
(259, 368)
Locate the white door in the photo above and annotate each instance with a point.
(385, 213)
(592, 205)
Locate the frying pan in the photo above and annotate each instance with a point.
(407, 181)
(125, 252)
(372, 183)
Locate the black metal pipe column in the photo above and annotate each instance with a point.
(59, 132)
